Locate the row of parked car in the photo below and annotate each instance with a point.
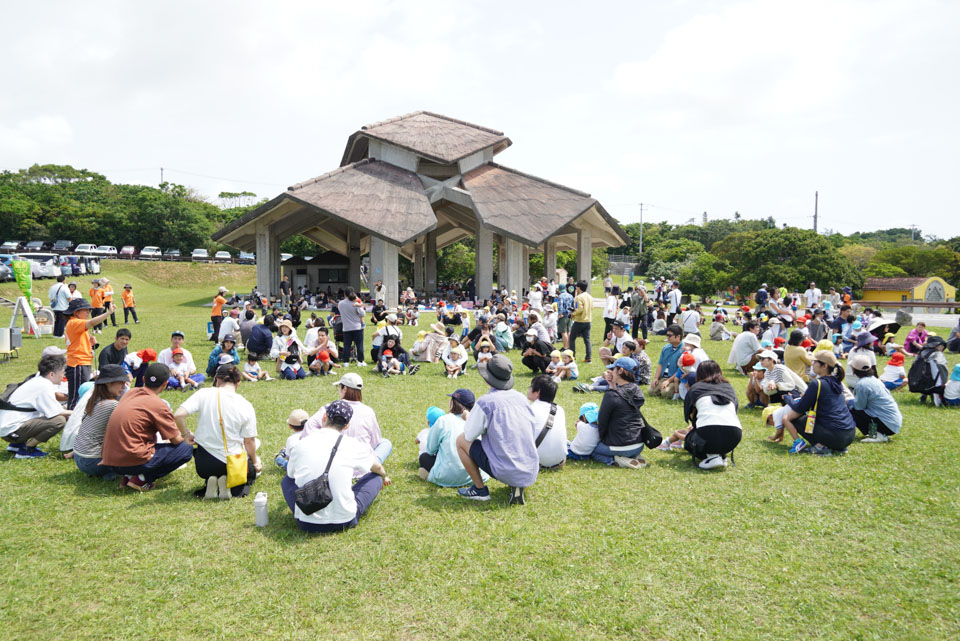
(47, 265)
(127, 251)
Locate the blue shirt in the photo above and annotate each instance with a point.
(447, 471)
(565, 304)
(670, 359)
(871, 396)
(832, 410)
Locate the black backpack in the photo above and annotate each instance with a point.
(5, 397)
(920, 379)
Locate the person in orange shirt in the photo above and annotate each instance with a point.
(108, 298)
(80, 346)
(96, 302)
(129, 304)
(216, 314)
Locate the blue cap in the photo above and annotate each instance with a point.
(433, 413)
(766, 343)
(955, 375)
(465, 397)
(341, 410)
(590, 411)
(857, 324)
(624, 362)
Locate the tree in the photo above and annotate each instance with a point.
(859, 255)
(702, 275)
(883, 270)
(923, 261)
(676, 250)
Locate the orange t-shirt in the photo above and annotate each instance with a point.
(107, 294)
(218, 304)
(127, 297)
(96, 298)
(79, 350)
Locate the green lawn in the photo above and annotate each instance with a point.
(857, 547)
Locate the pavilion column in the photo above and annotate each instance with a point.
(483, 275)
(353, 260)
(584, 255)
(275, 275)
(430, 267)
(501, 264)
(550, 258)
(384, 266)
(515, 266)
(268, 261)
(418, 266)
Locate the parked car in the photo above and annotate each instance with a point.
(128, 251)
(107, 250)
(63, 246)
(6, 259)
(43, 265)
(86, 249)
(171, 254)
(246, 258)
(91, 264)
(11, 246)
(199, 254)
(5, 273)
(222, 257)
(150, 252)
(39, 246)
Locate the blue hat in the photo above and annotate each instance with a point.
(433, 413)
(465, 397)
(590, 411)
(857, 324)
(624, 362)
(83, 388)
(955, 375)
(339, 410)
(766, 343)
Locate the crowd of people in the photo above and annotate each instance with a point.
(790, 348)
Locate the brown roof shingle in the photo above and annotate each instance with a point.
(893, 284)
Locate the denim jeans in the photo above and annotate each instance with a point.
(365, 490)
(604, 454)
(92, 467)
(383, 450)
(166, 458)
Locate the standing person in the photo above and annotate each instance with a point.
(129, 304)
(812, 296)
(611, 306)
(216, 313)
(59, 296)
(44, 416)
(222, 413)
(664, 382)
(507, 450)
(114, 353)
(564, 310)
(582, 311)
(79, 346)
(761, 297)
(607, 283)
(130, 444)
(673, 302)
(96, 302)
(285, 291)
(710, 409)
(352, 311)
(108, 300)
(550, 421)
(639, 305)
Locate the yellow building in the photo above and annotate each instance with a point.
(910, 289)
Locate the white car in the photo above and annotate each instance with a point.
(150, 253)
(43, 265)
(222, 257)
(199, 254)
(85, 249)
(107, 250)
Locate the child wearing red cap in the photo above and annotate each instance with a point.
(894, 375)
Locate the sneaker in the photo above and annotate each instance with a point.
(938, 400)
(516, 496)
(798, 446)
(676, 445)
(821, 450)
(475, 493)
(630, 463)
(414, 369)
(30, 452)
(664, 446)
(14, 448)
(362, 364)
(878, 438)
(222, 490)
(578, 389)
(138, 482)
(712, 461)
(212, 490)
(423, 473)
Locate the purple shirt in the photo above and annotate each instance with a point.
(506, 422)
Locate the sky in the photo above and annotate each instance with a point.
(684, 106)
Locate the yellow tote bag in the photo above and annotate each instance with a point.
(236, 463)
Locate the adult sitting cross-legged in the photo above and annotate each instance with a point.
(499, 436)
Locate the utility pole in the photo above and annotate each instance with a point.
(913, 231)
(161, 175)
(641, 230)
(816, 199)
(704, 218)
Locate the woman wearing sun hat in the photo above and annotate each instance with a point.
(227, 347)
(833, 426)
(288, 351)
(96, 412)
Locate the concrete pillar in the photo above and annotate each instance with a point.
(384, 266)
(275, 276)
(501, 264)
(515, 266)
(268, 261)
(418, 266)
(550, 258)
(483, 275)
(353, 259)
(584, 254)
(430, 262)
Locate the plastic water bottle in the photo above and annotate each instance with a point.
(260, 509)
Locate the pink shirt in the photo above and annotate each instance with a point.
(914, 337)
(363, 426)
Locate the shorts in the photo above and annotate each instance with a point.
(563, 325)
(893, 385)
(952, 402)
(478, 456)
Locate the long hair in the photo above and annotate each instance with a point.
(100, 393)
(710, 372)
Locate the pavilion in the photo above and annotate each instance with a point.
(415, 184)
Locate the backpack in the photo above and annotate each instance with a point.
(920, 379)
(5, 397)
(759, 297)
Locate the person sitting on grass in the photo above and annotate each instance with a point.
(588, 435)
(222, 413)
(252, 371)
(932, 356)
(664, 383)
(550, 421)
(33, 414)
(535, 352)
(329, 446)
(917, 339)
(297, 421)
(228, 346)
(499, 437)
(130, 446)
(567, 369)
(114, 353)
(182, 374)
(288, 352)
(553, 365)
(953, 340)
(454, 357)
(864, 347)
(165, 356)
(874, 411)
(710, 409)
(951, 391)
(894, 376)
(326, 354)
(88, 445)
(613, 342)
(136, 364)
(833, 427)
(745, 350)
(771, 381)
(364, 426)
(620, 421)
(485, 349)
(439, 461)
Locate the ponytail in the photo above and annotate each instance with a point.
(838, 373)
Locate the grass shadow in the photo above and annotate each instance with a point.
(446, 499)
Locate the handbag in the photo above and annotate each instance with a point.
(812, 416)
(316, 495)
(236, 463)
(651, 436)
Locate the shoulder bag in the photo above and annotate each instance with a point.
(316, 495)
(548, 425)
(812, 416)
(236, 463)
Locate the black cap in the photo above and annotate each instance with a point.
(157, 374)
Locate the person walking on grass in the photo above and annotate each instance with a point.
(96, 302)
(129, 304)
(499, 436)
(352, 311)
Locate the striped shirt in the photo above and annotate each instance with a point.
(89, 443)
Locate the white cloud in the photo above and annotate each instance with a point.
(32, 135)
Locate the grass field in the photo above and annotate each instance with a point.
(857, 547)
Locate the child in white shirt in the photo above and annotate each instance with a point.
(553, 365)
(485, 350)
(588, 434)
(894, 375)
(568, 366)
(951, 391)
(252, 371)
(296, 422)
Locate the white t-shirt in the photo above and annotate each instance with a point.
(610, 306)
(691, 322)
(38, 393)
(553, 448)
(588, 435)
(308, 460)
(229, 325)
(619, 341)
(310, 339)
(292, 440)
(535, 298)
(893, 373)
(251, 368)
(239, 420)
(673, 298)
(812, 297)
(166, 357)
(744, 347)
(951, 390)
